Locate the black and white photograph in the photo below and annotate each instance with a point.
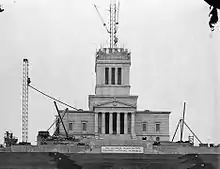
(110, 84)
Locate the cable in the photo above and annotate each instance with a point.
(53, 98)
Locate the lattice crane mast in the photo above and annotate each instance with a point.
(113, 23)
(25, 84)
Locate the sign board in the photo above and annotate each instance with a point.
(122, 149)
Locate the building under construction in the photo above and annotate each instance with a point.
(112, 133)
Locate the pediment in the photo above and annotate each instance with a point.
(115, 103)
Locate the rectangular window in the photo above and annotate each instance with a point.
(71, 126)
(106, 75)
(144, 126)
(113, 75)
(157, 127)
(119, 76)
(84, 126)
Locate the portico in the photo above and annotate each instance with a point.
(114, 123)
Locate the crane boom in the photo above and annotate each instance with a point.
(64, 112)
(183, 119)
(61, 118)
(100, 16)
(181, 124)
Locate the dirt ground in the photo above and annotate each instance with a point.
(106, 161)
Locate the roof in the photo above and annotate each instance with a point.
(153, 112)
(79, 111)
(101, 96)
(141, 112)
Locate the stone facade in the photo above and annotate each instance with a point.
(112, 110)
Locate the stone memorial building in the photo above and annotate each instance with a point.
(112, 109)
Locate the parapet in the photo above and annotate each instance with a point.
(113, 54)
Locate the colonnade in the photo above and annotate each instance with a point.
(114, 122)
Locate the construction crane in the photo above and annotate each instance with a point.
(26, 82)
(57, 121)
(113, 23)
(61, 119)
(100, 16)
(25, 86)
(181, 124)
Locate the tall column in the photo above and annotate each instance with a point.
(96, 123)
(103, 123)
(118, 123)
(110, 122)
(132, 124)
(126, 123)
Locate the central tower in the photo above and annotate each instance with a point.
(113, 106)
(112, 72)
(112, 64)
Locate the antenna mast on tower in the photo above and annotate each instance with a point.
(26, 82)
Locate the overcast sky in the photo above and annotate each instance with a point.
(175, 58)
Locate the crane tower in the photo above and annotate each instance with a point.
(112, 29)
(26, 81)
